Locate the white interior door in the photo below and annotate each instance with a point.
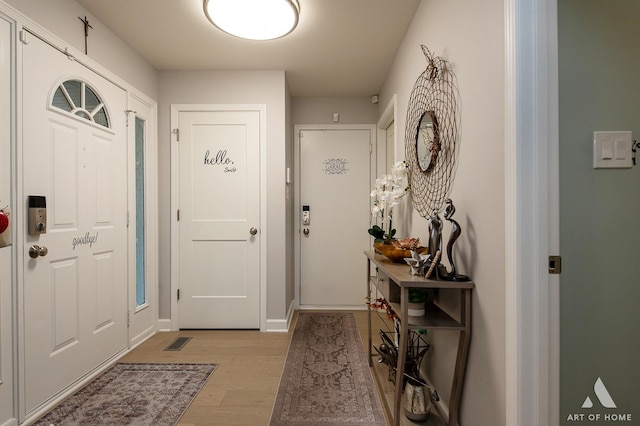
(335, 181)
(219, 205)
(74, 155)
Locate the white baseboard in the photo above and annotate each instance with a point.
(277, 325)
(140, 338)
(333, 307)
(10, 422)
(282, 325)
(164, 325)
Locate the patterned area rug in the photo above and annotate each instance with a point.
(326, 378)
(133, 394)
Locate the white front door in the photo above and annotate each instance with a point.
(335, 181)
(219, 208)
(75, 156)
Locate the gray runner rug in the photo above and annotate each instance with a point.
(133, 394)
(326, 378)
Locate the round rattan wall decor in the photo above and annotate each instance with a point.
(430, 136)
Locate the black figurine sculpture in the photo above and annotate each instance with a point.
(449, 210)
(435, 246)
(435, 234)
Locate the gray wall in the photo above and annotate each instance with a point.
(61, 18)
(230, 87)
(470, 35)
(319, 110)
(599, 66)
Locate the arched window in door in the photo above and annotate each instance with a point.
(79, 99)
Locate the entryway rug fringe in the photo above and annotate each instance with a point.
(133, 394)
(326, 379)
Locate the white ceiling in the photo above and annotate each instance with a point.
(340, 47)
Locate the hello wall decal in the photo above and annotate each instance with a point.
(220, 159)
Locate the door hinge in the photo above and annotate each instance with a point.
(370, 148)
(178, 215)
(128, 215)
(127, 112)
(177, 132)
(178, 294)
(555, 264)
(128, 318)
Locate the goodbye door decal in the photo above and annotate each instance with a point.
(86, 240)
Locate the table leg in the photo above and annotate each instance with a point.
(402, 353)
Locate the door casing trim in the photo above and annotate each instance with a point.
(531, 234)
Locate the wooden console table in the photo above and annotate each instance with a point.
(396, 291)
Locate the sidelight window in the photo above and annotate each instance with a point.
(141, 281)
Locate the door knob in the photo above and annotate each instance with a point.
(253, 230)
(35, 251)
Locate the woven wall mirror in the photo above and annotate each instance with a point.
(431, 136)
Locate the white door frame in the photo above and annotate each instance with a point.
(297, 203)
(531, 180)
(387, 117)
(176, 109)
(8, 267)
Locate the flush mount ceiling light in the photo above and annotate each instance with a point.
(253, 19)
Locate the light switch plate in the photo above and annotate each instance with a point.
(612, 150)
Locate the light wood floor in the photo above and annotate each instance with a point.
(243, 389)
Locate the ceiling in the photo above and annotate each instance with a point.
(340, 47)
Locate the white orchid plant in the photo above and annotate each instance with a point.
(389, 189)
